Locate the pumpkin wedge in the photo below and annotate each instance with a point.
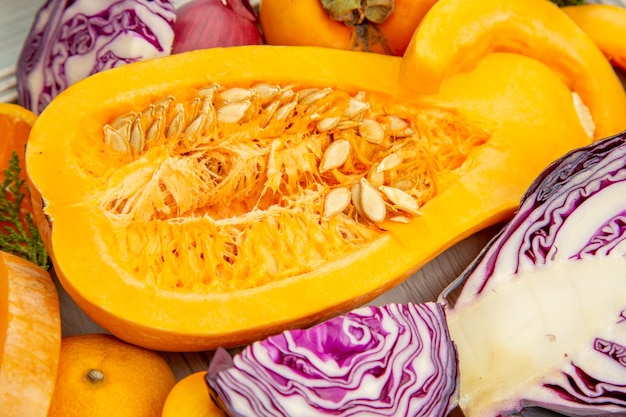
(455, 34)
(16, 228)
(30, 337)
(190, 202)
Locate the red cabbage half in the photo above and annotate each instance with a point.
(541, 318)
(72, 39)
(396, 360)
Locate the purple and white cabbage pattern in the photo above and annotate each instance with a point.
(575, 209)
(396, 360)
(564, 254)
(72, 39)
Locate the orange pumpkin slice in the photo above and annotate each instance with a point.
(15, 124)
(455, 34)
(187, 209)
(30, 337)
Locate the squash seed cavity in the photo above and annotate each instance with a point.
(231, 187)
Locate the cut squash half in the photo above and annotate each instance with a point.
(215, 197)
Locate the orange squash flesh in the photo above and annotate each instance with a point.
(526, 126)
(30, 337)
(454, 35)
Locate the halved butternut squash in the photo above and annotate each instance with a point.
(189, 202)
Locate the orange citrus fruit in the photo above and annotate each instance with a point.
(190, 398)
(102, 376)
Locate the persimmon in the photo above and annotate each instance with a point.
(343, 24)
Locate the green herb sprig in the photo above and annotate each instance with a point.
(16, 237)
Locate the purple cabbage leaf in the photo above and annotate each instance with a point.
(72, 39)
(395, 360)
(540, 319)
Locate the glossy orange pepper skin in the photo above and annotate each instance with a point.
(306, 23)
(606, 26)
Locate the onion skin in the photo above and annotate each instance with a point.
(396, 360)
(203, 24)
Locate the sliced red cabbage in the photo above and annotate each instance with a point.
(575, 209)
(72, 39)
(540, 321)
(395, 360)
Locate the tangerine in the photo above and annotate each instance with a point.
(190, 397)
(100, 375)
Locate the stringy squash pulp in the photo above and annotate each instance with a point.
(231, 187)
(215, 197)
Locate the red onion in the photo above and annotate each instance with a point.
(202, 24)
